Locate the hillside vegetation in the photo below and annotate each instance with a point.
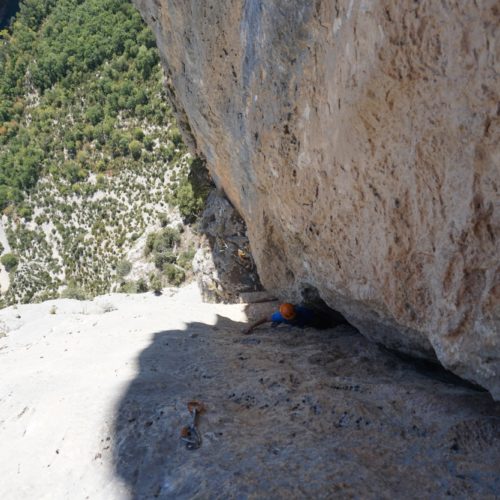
(90, 156)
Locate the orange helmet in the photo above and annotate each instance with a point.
(287, 311)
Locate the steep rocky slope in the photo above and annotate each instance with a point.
(359, 141)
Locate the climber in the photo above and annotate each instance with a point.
(301, 316)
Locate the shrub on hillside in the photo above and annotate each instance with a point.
(128, 287)
(167, 257)
(175, 275)
(148, 143)
(150, 241)
(156, 284)
(191, 190)
(175, 136)
(164, 220)
(135, 148)
(123, 268)
(185, 259)
(9, 261)
(138, 134)
(72, 291)
(141, 285)
(166, 239)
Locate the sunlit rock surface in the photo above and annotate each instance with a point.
(359, 141)
(93, 397)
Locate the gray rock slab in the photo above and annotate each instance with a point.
(301, 414)
(93, 398)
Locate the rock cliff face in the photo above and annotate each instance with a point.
(223, 265)
(359, 141)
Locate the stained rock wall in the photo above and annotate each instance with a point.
(359, 141)
(223, 264)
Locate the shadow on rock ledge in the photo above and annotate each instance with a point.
(300, 413)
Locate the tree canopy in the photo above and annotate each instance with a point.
(68, 71)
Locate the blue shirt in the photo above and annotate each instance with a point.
(303, 317)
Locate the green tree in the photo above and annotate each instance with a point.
(73, 291)
(94, 114)
(9, 261)
(138, 134)
(135, 148)
(156, 284)
(174, 274)
(145, 61)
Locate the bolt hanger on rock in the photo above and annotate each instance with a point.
(190, 433)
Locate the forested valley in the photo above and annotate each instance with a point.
(92, 164)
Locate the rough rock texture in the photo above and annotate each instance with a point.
(359, 141)
(223, 266)
(93, 398)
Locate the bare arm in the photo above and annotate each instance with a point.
(259, 322)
